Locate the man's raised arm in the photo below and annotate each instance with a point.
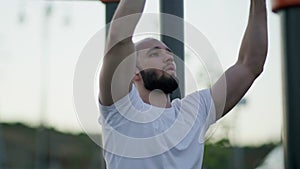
(236, 81)
(119, 62)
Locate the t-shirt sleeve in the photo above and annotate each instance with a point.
(207, 117)
(115, 115)
(200, 103)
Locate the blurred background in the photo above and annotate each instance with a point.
(40, 42)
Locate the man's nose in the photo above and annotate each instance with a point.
(169, 57)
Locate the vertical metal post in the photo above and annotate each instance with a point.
(291, 36)
(176, 8)
(3, 162)
(238, 160)
(290, 20)
(42, 142)
(110, 10)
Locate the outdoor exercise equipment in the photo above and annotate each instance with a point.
(289, 11)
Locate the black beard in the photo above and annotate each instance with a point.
(163, 83)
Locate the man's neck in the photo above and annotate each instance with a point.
(155, 98)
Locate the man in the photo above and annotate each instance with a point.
(142, 127)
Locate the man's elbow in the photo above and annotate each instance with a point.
(256, 69)
(254, 62)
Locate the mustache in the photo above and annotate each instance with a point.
(171, 65)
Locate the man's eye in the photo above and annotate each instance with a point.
(154, 54)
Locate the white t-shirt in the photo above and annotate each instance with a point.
(137, 135)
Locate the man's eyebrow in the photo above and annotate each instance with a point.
(157, 48)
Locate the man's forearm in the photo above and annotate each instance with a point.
(119, 61)
(254, 46)
(125, 20)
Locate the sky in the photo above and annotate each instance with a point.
(38, 56)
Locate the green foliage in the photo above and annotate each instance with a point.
(221, 155)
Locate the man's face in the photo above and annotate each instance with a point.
(156, 63)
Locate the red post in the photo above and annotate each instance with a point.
(280, 4)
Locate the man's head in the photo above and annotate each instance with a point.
(156, 66)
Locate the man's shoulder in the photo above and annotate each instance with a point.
(196, 101)
(198, 94)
